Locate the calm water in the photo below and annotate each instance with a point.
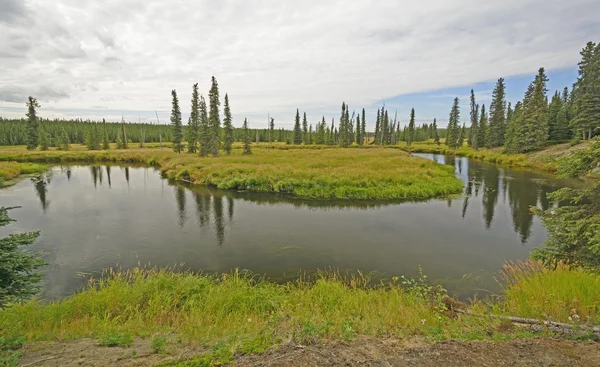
(94, 217)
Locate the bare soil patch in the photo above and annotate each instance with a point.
(362, 352)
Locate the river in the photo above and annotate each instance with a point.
(95, 217)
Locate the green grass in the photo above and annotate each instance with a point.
(331, 173)
(9, 171)
(238, 313)
(564, 294)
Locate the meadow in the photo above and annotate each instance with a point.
(327, 173)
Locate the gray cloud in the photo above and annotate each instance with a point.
(11, 10)
(17, 94)
(273, 55)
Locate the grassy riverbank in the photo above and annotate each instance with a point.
(236, 314)
(545, 159)
(330, 173)
(10, 171)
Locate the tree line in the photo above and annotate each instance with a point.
(534, 121)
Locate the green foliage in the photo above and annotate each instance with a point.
(586, 92)
(473, 139)
(574, 226)
(304, 129)
(436, 136)
(116, 339)
(44, 139)
(18, 279)
(297, 130)
(411, 128)
(32, 123)
(159, 344)
(529, 130)
(228, 126)
(105, 140)
(193, 131)
(497, 124)
(214, 120)
(204, 128)
(93, 136)
(247, 150)
(177, 131)
(453, 127)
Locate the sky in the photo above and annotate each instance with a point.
(104, 59)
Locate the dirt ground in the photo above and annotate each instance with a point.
(362, 352)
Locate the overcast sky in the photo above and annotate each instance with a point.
(96, 59)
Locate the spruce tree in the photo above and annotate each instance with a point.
(124, 142)
(176, 128)
(377, 128)
(204, 130)
(271, 129)
(228, 127)
(482, 127)
(472, 141)
(531, 128)
(497, 123)
(214, 120)
(304, 129)
(363, 127)
(297, 129)
(331, 138)
(32, 123)
(321, 135)
(310, 134)
(411, 128)
(193, 130)
(435, 134)
(105, 142)
(44, 138)
(509, 138)
(461, 136)
(18, 276)
(119, 140)
(586, 92)
(247, 150)
(553, 111)
(453, 128)
(64, 143)
(358, 136)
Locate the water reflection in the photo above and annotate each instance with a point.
(523, 189)
(101, 219)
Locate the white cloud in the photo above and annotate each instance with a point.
(272, 55)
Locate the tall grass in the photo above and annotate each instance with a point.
(11, 170)
(311, 173)
(564, 294)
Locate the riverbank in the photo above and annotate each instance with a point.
(545, 159)
(329, 173)
(221, 318)
(10, 172)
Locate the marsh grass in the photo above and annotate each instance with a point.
(9, 171)
(331, 173)
(564, 294)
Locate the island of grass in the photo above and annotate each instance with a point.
(333, 173)
(10, 171)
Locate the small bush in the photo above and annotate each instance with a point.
(116, 340)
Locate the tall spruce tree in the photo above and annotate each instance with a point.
(473, 141)
(363, 127)
(247, 150)
(553, 111)
(531, 126)
(435, 134)
(176, 127)
(586, 92)
(105, 141)
(304, 129)
(32, 123)
(297, 129)
(377, 128)
(228, 127)
(482, 127)
(64, 143)
(124, 142)
(358, 136)
(214, 120)
(461, 136)
(497, 122)
(204, 128)
(453, 128)
(331, 139)
(193, 130)
(411, 128)
(509, 138)
(271, 130)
